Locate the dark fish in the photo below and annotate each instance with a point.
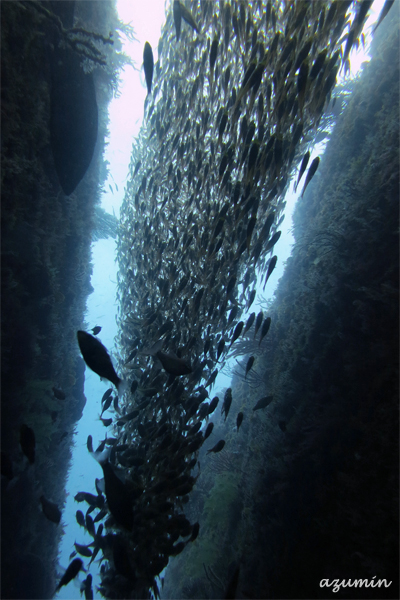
(282, 425)
(177, 18)
(100, 515)
(249, 232)
(386, 7)
(188, 17)
(80, 518)
(195, 428)
(71, 572)
(249, 303)
(106, 395)
(106, 422)
(213, 405)
(111, 441)
(86, 587)
(227, 402)
(271, 267)
(98, 360)
(218, 447)
(148, 64)
(303, 54)
(263, 402)
(319, 62)
(259, 319)
(213, 53)
(90, 526)
(59, 394)
(265, 329)
(28, 442)
(302, 84)
(83, 550)
(310, 174)
(220, 349)
(212, 378)
(207, 345)
(237, 332)
(96, 330)
(89, 443)
(165, 328)
(129, 416)
(173, 365)
(273, 240)
(231, 285)
(101, 446)
(253, 153)
(177, 549)
(208, 430)
(250, 363)
(239, 420)
(50, 510)
(118, 498)
(91, 499)
(195, 532)
(250, 322)
(362, 13)
(131, 356)
(267, 226)
(303, 167)
(107, 404)
(232, 314)
(222, 125)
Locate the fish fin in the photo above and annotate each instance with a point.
(101, 457)
(77, 582)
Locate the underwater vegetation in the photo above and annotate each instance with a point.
(319, 484)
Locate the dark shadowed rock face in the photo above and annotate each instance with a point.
(74, 118)
(65, 10)
(28, 579)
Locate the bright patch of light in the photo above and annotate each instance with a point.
(126, 111)
(360, 55)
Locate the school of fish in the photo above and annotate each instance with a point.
(234, 101)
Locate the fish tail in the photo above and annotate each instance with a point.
(122, 386)
(101, 457)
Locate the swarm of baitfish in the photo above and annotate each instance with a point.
(234, 99)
